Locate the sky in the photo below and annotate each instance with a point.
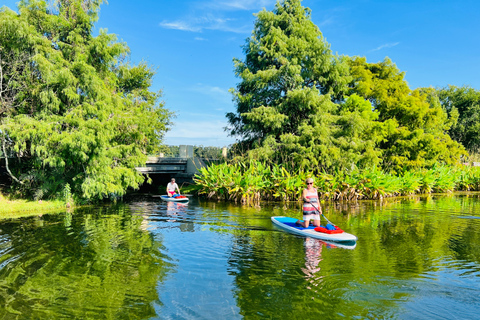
(192, 44)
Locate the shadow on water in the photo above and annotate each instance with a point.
(416, 258)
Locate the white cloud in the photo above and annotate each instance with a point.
(214, 92)
(207, 22)
(326, 22)
(218, 15)
(386, 45)
(243, 4)
(200, 39)
(198, 129)
(180, 25)
(203, 128)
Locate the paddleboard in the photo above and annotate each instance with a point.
(174, 199)
(288, 224)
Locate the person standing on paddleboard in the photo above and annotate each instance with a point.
(311, 205)
(171, 187)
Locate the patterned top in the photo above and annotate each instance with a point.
(308, 207)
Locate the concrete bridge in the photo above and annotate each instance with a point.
(182, 168)
(161, 165)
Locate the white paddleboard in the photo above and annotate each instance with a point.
(172, 199)
(288, 224)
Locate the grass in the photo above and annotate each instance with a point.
(21, 208)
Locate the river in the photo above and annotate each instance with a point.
(416, 258)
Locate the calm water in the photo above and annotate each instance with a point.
(415, 259)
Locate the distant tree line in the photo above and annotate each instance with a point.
(213, 153)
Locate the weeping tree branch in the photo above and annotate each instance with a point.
(6, 161)
(12, 67)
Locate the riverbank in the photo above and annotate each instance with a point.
(15, 208)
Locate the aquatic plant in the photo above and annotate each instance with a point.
(253, 181)
(445, 179)
(410, 183)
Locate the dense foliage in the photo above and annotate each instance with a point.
(463, 104)
(415, 125)
(289, 78)
(301, 106)
(74, 109)
(252, 181)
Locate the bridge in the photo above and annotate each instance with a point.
(161, 165)
(183, 168)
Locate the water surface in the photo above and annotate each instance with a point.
(415, 258)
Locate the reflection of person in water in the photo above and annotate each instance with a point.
(173, 208)
(313, 256)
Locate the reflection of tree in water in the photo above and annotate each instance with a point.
(266, 272)
(96, 263)
(414, 239)
(465, 245)
(272, 273)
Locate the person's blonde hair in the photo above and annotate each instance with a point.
(309, 180)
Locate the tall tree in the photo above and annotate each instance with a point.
(463, 103)
(286, 100)
(87, 116)
(416, 126)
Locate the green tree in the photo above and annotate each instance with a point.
(415, 125)
(287, 100)
(463, 103)
(87, 116)
(214, 153)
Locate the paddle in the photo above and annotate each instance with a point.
(322, 214)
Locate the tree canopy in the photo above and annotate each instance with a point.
(75, 110)
(463, 105)
(301, 105)
(415, 124)
(285, 101)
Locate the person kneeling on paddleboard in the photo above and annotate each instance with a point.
(171, 187)
(311, 206)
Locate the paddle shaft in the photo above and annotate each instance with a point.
(321, 213)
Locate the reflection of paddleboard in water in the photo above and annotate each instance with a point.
(343, 245)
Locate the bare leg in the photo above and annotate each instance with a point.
(304, 223)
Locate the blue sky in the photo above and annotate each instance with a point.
(192, 44)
